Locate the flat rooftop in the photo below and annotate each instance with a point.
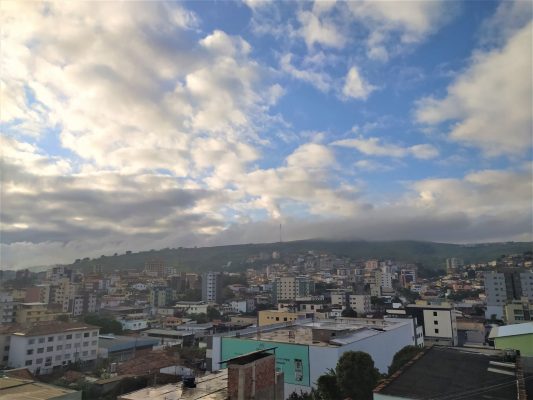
(451, 373)
(24, 389)
(353, 330)
(209, 387)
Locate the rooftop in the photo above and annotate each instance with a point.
(26, 389)
(512, 330)
(450, 373)
(45, 328)
(209, 387)
(119, 343)
(167, 332)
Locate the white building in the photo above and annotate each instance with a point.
(439, 322)
(243, 306)
(212, 287)
(360, 303)
(306, 350)
(43, 347)
(192, 307)
(505, 286)
(6, 308)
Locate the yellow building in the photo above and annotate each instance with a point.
(269, 317)
(34, 312)
(518, 311)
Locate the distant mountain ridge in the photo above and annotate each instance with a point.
(429, 254)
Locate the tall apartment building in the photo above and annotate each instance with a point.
(382, 284)
(6, 308)
(291, 287)
(453, 265)
(407, 276)
(371, 265)
(155, 267)
(504, 286)
(62, 292)
(83, 303)
(212, 287)
(160, 296)
(43, 347)
(56, 274)
(518, 311)
(360, 303)
(438, 321)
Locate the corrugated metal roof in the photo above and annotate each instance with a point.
(512, 330)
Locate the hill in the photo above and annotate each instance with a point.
(430, 255)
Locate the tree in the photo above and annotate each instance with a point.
(213, 313)
(312, 395)
(107, 325)
(327, 386)
(402, 357)
(356, 375)
(349, 313)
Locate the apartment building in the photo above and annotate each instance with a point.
(27, 313)
(360, 303)
(43, 347)
(212, 287)
(291, 287)
(6, 308)
(518, 311)
(506, 285)
(438, 320)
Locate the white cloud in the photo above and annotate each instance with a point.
(490, 102)
(374, 146)
(355, 86)
(315, 30)
(318, 79)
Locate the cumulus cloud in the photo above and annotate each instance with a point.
(315, 30)
(374, 146)
(355, 86)
(490, 102)
(314, 77)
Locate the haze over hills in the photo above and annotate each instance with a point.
(233, 257)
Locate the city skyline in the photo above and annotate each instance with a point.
(145, 125)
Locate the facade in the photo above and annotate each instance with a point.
(38, 294)
(518, 311)
(270, 317)
(517, 337)
(243, 306)
(438, 320)
(307, 350)
(291, 287)
(34, 312)
(6, 308)
(407, 277)
(160, 296)
(192, 307)
(212, 287)
(42, 348)
(360, 303)
(504, 286)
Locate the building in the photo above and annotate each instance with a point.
(38, 294)
(243, 306)
(25, 388)
(452, 373)
(518, 311)
(133, 322)
(6, 308)
(439, 321)
(160, 296)
(34, 312)
(506, 285)
(270, 317)
(408, 276)
(212, 287)
(516, 337)
(122, 348)
(305, 350)
(453, 265)
(360, 303)
(170, 337)
(291, 287)
(155, 268)
(83, 303)
(44, 347)
(191, 307)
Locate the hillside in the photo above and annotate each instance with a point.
(429, 254)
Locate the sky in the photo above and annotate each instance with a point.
(147, 125)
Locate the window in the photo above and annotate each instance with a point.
(93, 343)
(95, 333)
(277, 318)
(436, 331)
(58, 358)
(60, 337)
(66, 356)
(85, 344)
(434, 313)
(59, 347)
(41, 340)
(39, 361)
(29, 362)
(40, 350)
(68, 346)
(78, 335)
(68, 337)
(50, 338)
(29, 352)
(86, 334)
(48, 361)
(84, 354)
(436, 322)
(31, 341)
